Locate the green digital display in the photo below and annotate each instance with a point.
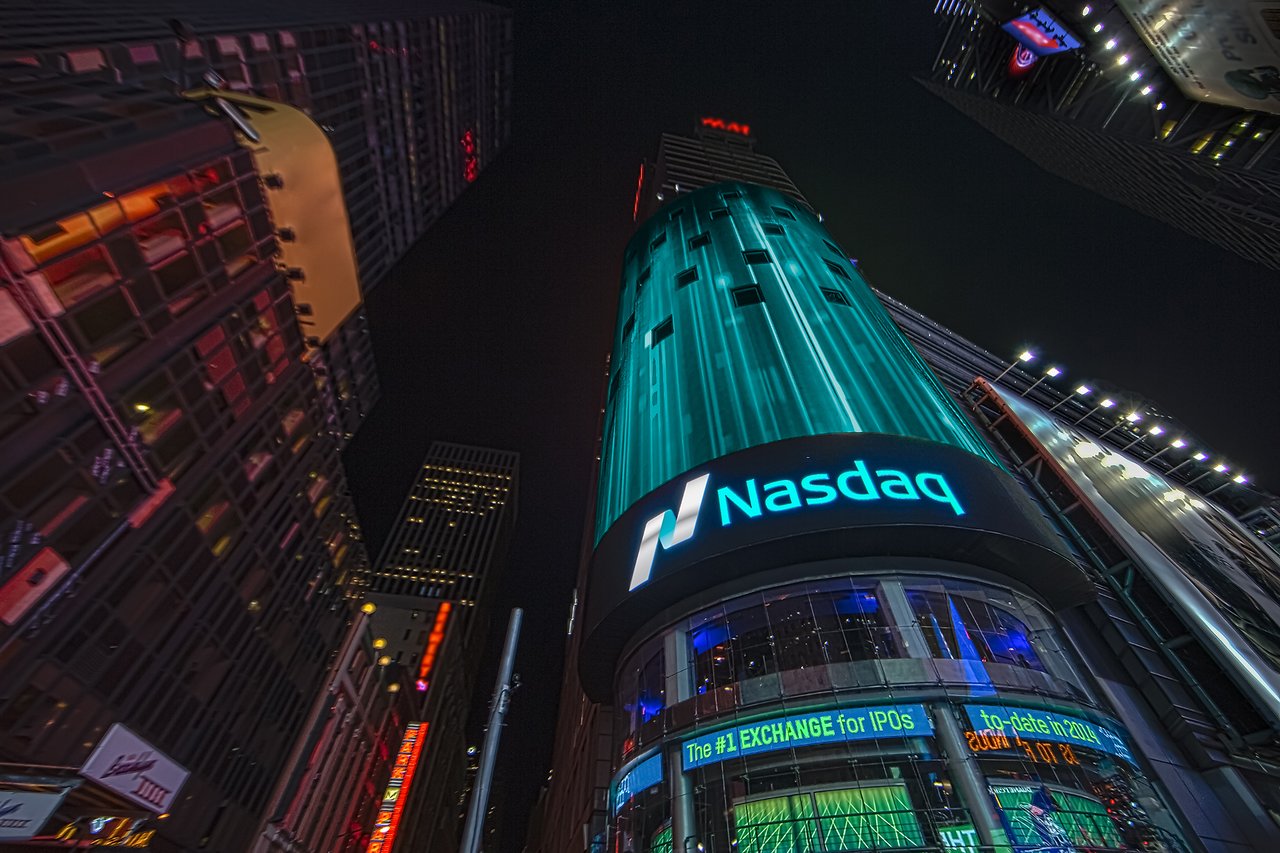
(741, 323)
(872, 817)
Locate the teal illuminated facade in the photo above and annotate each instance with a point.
(820, 610)
(741, 323)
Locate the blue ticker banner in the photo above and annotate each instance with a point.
(1047, 725)
(811, 729)
(640, 777)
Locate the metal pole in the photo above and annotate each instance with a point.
(474, 829)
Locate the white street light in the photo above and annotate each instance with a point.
(1176, 444)
(1081, 391)
(1051, 373)
(1195, 457)
(1025, 356)
(1156, 429)
(1131, 418)
(1104, 403)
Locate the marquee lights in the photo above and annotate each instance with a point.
(1037, 751)
(730, 126)
(393, 799)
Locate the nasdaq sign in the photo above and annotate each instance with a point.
(745, 501)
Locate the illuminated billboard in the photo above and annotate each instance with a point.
(741, 323)
(805, 500)
(394, 797)
(1223, 583)
(1220, 51)
(1041, 33)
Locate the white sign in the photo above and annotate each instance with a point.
(1220, 51)
(22, 813)
(129, 765)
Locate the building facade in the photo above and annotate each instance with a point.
(1116, 106)
(432, 588)
(176, 514)
(413, 97)
(835, 603)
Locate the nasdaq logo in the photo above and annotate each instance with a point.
(751, 500)
(669, 530)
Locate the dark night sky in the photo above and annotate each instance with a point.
(495, 328)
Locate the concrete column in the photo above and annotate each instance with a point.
(962, 765)
(684, 826)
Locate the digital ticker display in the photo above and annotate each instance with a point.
(797, 730)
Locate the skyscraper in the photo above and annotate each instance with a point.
(432, 588)
(414, 97)
(175, 510)
(834, 604)
(1123, 102)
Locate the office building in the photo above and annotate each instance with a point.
(414, 98)
(176, 516)
(432, 588)
(361, 743)
(853, 589)
(1117, 97)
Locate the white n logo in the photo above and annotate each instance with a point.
(668, 529)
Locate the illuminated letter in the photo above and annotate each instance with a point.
(897, 485)
(752, 508)
(668, 530)
(784, 489)
(942, 494)
(859, 471)
(814, 484)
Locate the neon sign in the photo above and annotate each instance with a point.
(434, 639)
(635, 210)
(845, 724)
(471, 160)
(393, 799)
(1041, 33)
(857, 484)
(1021, 60)
(729, 126)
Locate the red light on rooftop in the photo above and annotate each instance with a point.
(729, 126)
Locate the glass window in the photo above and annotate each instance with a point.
(751, 644)
(958, 627)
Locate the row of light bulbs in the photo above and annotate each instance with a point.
(1129, 419)
(1123, 59)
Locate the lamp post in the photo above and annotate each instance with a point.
(1081, 391)
(1131, 418)
(1220, 468)
(1238, 479)
(1104, 403)
(1198, 456)
(1025, 356)
(1177, 443)
(1156, 429)
(1048, 374)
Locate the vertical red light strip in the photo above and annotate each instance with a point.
(434, 640)
(635, 211)
(393, 799)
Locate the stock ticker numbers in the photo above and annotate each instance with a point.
(1036, 751)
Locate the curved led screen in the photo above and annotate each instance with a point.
(741, 323)
(801, 501)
